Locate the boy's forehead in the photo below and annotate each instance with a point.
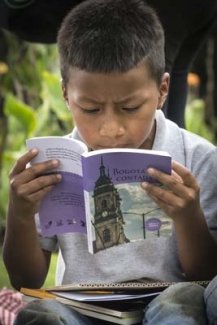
(140, 70)
(120, 84)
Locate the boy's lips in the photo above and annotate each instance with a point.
(114, 146)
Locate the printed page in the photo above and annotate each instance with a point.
(62, 210)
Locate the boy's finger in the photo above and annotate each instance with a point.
(23, 161)
(41, 183)
(37, 196)
(33, 172)
(180, 175)
(186, 176)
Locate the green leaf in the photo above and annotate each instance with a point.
(194, 119)
(53, 93)
(22, 112)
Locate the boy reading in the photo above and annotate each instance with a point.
(114, 84)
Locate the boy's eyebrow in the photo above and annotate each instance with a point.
(84, 98)
(127, 99)
(122, 101)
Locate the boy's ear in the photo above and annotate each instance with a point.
(64, 92)
(163, 90)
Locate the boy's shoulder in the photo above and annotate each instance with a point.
(188, 137)
(197, 142)
(180, 143)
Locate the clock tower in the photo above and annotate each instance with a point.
(108, 218)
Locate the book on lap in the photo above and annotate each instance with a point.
(126, 307)
(118, 312)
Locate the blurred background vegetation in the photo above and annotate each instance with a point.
(31, 104)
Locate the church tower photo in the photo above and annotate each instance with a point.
(108, 219)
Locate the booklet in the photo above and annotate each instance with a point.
(93, 299)
(103, 296)
(117, 287)
(118, 312)
(100, 193)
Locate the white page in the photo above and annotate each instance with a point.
(101, 297)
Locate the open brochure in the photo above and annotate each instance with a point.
(124, 287)
(93, 299)
(100, 193)
(102, 296)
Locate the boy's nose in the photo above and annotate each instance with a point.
(112, 128)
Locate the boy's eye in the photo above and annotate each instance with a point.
(90, 110)
(96, 110)
(130, 109)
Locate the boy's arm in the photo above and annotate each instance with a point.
(181, 201)
(27, 264)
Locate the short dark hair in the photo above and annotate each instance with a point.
(104, 36)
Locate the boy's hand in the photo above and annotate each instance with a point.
(180, 198)
(29, 185)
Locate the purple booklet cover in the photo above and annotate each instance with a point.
(123, 167)
(62, 210)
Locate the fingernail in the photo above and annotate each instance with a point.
(55, 162)
(150, 171)
(34, 150)
(144, 185)
(59, 177)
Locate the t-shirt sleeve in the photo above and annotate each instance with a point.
(206, 174)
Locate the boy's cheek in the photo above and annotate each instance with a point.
(88, 136)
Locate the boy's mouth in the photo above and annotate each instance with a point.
(113, 146)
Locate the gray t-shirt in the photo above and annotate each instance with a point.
(149, 259)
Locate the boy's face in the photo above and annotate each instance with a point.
(116, 109)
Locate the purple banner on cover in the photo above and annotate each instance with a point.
(122, 167)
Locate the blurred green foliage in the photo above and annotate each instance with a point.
(30, 91)
(195, 120)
